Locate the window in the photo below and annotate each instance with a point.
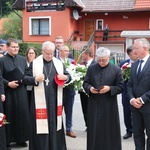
(99, 24)
(39, 26)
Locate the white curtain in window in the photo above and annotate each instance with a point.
(44, 26)
(35, 26)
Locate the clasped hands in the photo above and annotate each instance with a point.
(100, 90)
(136, 102)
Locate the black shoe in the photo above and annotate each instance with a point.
(127, 135)
(24, 144)
(8, 147)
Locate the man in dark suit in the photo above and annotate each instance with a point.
(125, 99)
(68, 92)
(105, 34)
(139, 94)
(87, 58)
(59, 41)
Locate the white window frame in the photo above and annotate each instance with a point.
(97, 22)
(43, 17)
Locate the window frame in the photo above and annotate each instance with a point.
(97, 23)
(30, 25)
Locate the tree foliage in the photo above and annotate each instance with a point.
(12, 27)
(5, 7)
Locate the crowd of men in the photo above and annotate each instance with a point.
(41, 123)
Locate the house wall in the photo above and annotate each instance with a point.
(118, 20)
(62, 23)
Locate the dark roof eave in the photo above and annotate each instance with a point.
(17, 8)
(19, 5)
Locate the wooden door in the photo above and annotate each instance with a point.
(89, 28)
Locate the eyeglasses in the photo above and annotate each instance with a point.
(31, 53)
(17, 47)
(102, 60)
(59, 42)
(48, 53)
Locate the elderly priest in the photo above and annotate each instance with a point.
(47, 75)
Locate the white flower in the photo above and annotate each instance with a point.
(77, 73)
(129, 65)
(2, 119)
(126, 70)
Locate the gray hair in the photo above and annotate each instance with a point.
(143, 42)
(102, 52)
(62, 47)
(48, 45)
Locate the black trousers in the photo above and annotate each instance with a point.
(84, 104)
(105, 36)
(141, 125)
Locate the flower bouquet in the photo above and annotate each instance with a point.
(77, 73)
(126, 70)
(3, 120)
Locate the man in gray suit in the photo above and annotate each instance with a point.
(139, 94)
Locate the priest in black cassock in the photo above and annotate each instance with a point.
(16, 104)
(47, 75)
(2, 128)
(102, 83)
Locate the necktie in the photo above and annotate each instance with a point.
(85, 63)
(139, 69)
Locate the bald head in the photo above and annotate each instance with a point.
(64, 51)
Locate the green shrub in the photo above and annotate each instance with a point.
(25, 46)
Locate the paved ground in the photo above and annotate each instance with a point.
(79, 143)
